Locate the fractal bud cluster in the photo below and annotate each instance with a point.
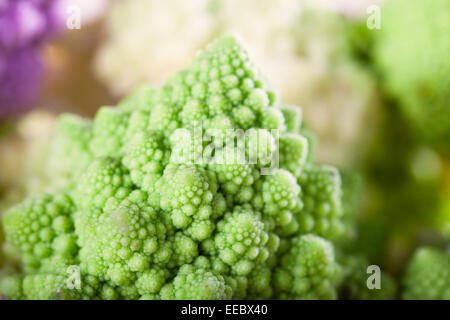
(141, 225)
(138, 215)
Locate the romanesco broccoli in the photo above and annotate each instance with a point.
(427, 275)
(149, 210)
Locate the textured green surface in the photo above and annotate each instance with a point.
(144, 216)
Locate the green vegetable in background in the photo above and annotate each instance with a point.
(411, 51)
(427, 275)
(404, 165)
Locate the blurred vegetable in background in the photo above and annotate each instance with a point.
(405, 166)
(412, 53)
(21, 170)
(148, 39)
(20, 81)
(403, 185)
(24, 26)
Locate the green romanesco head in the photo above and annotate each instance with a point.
(307, 270)
(153, 210)
(69, 148)
(42, 229)
(427, 275)
(195, 283)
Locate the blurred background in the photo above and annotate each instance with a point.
(376, 99)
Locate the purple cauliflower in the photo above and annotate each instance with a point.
(24, 26)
